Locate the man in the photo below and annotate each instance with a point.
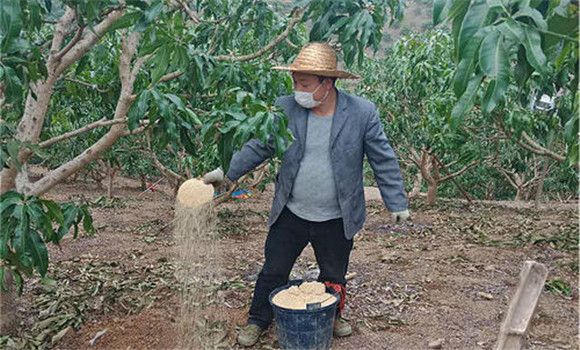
(319, 196)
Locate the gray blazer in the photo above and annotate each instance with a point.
(356, 130)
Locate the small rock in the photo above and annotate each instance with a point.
(481, 343)
(485, 295)
(250, 278)
(351, 275)
(311, 275)
(436, 344)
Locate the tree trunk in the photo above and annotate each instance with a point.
(111, 177)
(9, 306)
(8, 299)
(540, 188)
(143, 182)
(431, 192)
(519, 194)
(416, 191)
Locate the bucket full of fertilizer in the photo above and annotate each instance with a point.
(304, 314)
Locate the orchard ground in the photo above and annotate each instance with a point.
(448, 277)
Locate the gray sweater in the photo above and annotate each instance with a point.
(313, 195)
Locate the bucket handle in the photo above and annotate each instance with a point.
(318, 305)
(313, 306)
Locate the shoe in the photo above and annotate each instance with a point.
(249, 335)
(341, 327)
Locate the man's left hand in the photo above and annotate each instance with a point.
(402, 216)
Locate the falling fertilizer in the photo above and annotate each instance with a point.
(198, 262)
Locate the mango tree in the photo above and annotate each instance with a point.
(515, 51)
(412, 89)
(194, 75)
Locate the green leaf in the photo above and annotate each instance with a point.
(512, 30)
(4, 238)
(18, 280)
(176, 100)
(225, 149)
(127, 20)
(535, 15)
(493, 60)
(473, 21)
(13, 84)
(149, 16)
(228, 126)
(467, 64)
(567, 26)
(181, 59)
(2, 272)
(457, 14)
(161, 61)
(492, 55)
(54, 211)
(458, 8)
(466, 101)
(440, 10)
(87, 221)
(9, 199)
(193, 116)
(139, 110)
(534, 53)
(37, 250)
(522, 70)
(10, 20)
(22, 228)
(70, 212)
(13, 148)
(48, 281)
(34, 9)
(495, 3)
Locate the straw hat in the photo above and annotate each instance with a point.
(317, 59)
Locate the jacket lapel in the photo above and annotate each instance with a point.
(301, 125)
(340, 116)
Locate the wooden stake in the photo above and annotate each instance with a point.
(516, 324)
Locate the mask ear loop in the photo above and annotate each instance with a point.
(325, 96)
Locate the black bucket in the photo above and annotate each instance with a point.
(309, 329)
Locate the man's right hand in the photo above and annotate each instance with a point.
(218, 180)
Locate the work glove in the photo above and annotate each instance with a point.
(402, 217)
(218, 180)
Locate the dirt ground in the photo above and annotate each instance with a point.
(449, 277)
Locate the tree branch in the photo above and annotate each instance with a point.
(189, 11)
(84, 83)
(98, 124)
(541, 150)
(457, 173)
(129, 48)
(87, 42)
(70, 44)
(531, 145)
(60, 32)
(297, 16)
(504, 173)
(166, 77)
(168, 173)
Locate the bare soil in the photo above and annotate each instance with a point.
(450, 276)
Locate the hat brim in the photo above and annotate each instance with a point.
(324, 73)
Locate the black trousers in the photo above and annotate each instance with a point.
(287, 238)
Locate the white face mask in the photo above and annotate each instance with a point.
(306, 99)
